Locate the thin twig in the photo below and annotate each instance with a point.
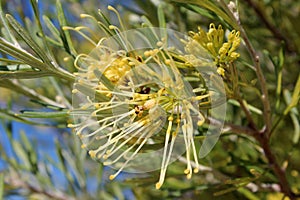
(233, 128)
(263, 135)
(247, 113)
(259, 73)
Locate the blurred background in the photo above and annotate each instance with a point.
(40, 158)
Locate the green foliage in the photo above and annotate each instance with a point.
(258, 154)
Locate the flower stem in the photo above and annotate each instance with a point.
(263, 136)
(263, 139)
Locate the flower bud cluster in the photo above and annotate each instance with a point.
(213, 41)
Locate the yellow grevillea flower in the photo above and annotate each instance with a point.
(136, 101)
(149, 100)
(213, 41)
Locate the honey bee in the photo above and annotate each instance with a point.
(139, 110)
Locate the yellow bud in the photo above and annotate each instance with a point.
(236, 42)
(231, 36)
(221, 71)
(211, 49)
(224, 49)
(212, 33)
(191, 33)
(220, 36)
(234, 55)
(212, 26)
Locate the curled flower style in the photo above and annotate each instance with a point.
(213, 41)
(146, 99)
(137, 102)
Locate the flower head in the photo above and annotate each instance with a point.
(213, 41)
(136, 101)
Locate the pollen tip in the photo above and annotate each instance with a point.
(170, 118)
(83, 15)
(186, 171)
(109, 7)
(78, 133)
(196, 170)
(92, 153)
(168, 61)
(105, 163)
(158, 185)
(78, 28)
(174, 134)
(74, 91)
(111, 27)
(200, 122)
(111, 177)
(189, 176)
(131, 63)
